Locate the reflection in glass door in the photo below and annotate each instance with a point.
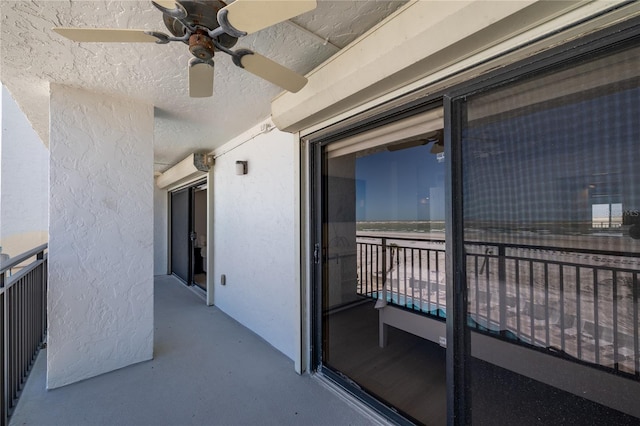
(551, 183)
(383, 270)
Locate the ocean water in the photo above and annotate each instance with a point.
(419, 226)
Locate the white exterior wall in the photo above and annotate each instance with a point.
(255, 238)
(24, 177)
(100, 235)
(160, 231)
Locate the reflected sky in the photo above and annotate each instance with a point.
(403, 185)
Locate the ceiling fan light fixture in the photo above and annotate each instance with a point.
(200, 78)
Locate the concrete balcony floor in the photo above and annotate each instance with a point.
(207, 370)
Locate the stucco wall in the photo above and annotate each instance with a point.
(255, 240)
(100, 235)
(24, 177)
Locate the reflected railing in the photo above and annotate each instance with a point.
(578, 304)
(23, 322)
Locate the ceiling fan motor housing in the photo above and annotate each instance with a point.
(203, 14)
(201, 46)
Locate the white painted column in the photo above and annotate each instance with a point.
(100, 235)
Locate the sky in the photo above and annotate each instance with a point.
(400, 186)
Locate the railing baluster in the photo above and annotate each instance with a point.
(532, 307)
(4, 367)
(437, 282)
(616, 365)
(384, 269)
(413, 280)
(360, 283)
(562, 328)
(420, 278)
(596, 322)
(636, 337)
(502, 287)
(368, 256)
(404, 264)
(364, 268)
(517, 279)
(488, 289)
(578, 316)
(477, 290)
(546, 303)
(23, 324)
(429, 280)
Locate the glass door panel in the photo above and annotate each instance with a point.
(551, 172)
(180, 235)
(383, 285)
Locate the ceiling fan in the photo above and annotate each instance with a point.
(209, 26)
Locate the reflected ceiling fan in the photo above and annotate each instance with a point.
(437, 137)
(209, 26)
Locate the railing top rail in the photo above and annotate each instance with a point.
(565, 249)
(10, 263)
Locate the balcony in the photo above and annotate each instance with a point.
(207, 369)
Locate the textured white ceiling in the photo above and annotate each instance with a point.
(33, 56)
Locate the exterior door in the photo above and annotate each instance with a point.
(381, 291)
(181, 258)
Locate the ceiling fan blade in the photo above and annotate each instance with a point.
(269, 70)
(250, 16)
(167, 4)
(200, 78)
(106, 35)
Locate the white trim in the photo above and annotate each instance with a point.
(210, 221)
(306, 257)
(186, 170)
(586, 18)
(300, 356)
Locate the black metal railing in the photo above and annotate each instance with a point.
(575, 303)
(23, 322)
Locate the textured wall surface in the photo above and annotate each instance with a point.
(101, 235)
(25, 182)
(33, 55)
(254, 234)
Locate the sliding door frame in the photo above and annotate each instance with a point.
(453, 99)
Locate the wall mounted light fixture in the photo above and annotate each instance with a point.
(241, 167)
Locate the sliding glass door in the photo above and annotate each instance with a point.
(189, 234)
(551, 194)
(383, 270)
(180, 235)
(480, 263)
